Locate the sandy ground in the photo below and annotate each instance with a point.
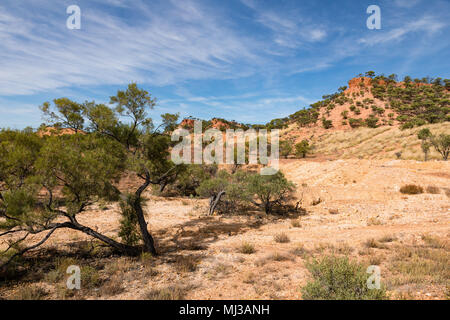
(359, 200)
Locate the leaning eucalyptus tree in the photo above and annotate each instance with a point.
(45, 183)
(146, 148)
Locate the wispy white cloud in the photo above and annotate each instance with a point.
(406, 3)
(185, 42)
(290, 29)
(426, 24)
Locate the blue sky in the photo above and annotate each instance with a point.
(244, 60)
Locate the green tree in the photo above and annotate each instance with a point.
(68, 114)
(285, 148)
(425, 135)
(370, 74)
(146, 151)
(372, 122)
(214, 189)
(302, 148)
(327, 124)
(270, 190)
(74, 171)
(442, 144)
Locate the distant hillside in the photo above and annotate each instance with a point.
(385, 142)
(377, 101)
(372, 117)
(368, 101)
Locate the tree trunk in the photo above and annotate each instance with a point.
(129, 250)
(146, 236)
(214, 201)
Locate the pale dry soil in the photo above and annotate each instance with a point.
(200, 256)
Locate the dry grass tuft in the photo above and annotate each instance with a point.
(186, 263)
(372, 243)
(175, 292)
(30, 292)
(433, 190)
(387, 238)
(374, 222)
(246, 248)
(113, 287)
(281, 238)
(279, 257)
(296, 223)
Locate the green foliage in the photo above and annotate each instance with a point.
(418, 104)
(327, 124)
(336, 278)
(69, 114)
(169, 122)
(305, 117)
(344, 114)
(285, 148)
(129, 229)
(355, 123)
(84, 165)
(238, 190)
(424, 134)
(18, 152)
(442, 144)
(211, 187)
(270, 190)
(191, 178)
(302, 148)
(372, 122)
(229, 190)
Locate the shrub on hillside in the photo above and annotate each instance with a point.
(355, 123)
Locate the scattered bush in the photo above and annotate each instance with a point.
(247, 248)
(186, 263)
(411, 189)
(372, 243)
(272, 191)
(433, 190)
(279, 257)
(336, 278)
(281, 238)
(30, 292)
(112, 287)
(302, 149)
(167, 293)
(285, 148)
(387, 238)
(296, 223)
